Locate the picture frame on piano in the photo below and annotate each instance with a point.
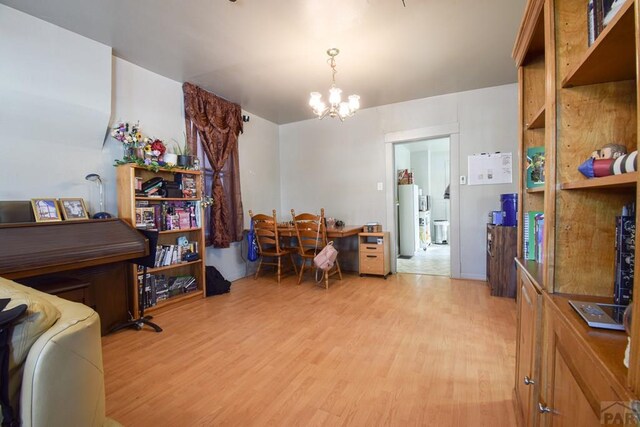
(73, 209)
(46, 210)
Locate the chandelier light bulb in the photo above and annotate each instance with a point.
(315, 99)
(344, 109)
(334, 95)
(336, 107)
(320, 108)
(354, 102)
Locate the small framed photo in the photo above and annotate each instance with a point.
(45, 210)
(73, 209)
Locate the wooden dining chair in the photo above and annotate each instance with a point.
(311, 232)
(266, 231)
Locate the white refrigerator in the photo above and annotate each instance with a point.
(408, 219)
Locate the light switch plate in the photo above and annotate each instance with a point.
(463, 179)
(380, 187)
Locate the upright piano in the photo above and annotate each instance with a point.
(93, 252)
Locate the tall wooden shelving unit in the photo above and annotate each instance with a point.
(126, 177)
(574, 99)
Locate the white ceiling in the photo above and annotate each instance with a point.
(267, 55)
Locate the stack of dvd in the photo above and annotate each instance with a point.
(624, 259)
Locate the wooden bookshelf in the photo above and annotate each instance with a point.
(180, 230)
(173, 301)
(535, 190)
(591, 97)
(625, 180)
(126, 176)
(174, 199)
(611, 57)
(173, 266)
(538, 120)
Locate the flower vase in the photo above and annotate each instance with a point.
(183, 161)
(128, 153)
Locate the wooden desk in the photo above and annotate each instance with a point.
(347, 248)
(332, 232)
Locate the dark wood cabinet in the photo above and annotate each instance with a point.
(501, 267)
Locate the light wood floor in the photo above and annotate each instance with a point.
(435, 261)
(411, 350)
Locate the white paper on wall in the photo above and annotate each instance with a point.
(490, 168)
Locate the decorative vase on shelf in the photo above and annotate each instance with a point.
(183, 161)
(129, 152)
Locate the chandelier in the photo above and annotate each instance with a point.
(336, 107)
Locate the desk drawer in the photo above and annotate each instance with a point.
(371, 248)
(371, 263)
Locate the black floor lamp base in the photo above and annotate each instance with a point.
(137, 324)
(146, 261)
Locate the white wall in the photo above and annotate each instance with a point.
(55, 92)
(337, 165)
(488, 123)
(140, 95)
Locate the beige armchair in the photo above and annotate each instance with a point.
(61, 382)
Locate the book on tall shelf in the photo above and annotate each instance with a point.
(539, 237)
(625, 249)
(529, 233)
(188, 184)
(609, 10)
(591, 22)
(145, 217)
(535, 167)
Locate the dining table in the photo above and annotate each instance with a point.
(333, 232)
(347, 247)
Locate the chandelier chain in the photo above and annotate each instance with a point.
(332, 64)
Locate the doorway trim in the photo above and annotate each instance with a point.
(451, 131)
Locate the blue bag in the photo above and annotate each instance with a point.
(253, 251)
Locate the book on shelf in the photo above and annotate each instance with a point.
(176, 254)
(539, 237)
(529, 232)
(160, 287)
(610, 9)
(535, 167)
(145, 217)
(168, 215)
(591, 22)
(624, 260)
(188, 184)
(600, 13)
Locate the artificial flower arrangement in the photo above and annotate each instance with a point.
(154, 148)
(138, 149)
(127, 134)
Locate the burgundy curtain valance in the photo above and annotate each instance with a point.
(216, 124)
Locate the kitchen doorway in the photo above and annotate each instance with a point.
(423, 206)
